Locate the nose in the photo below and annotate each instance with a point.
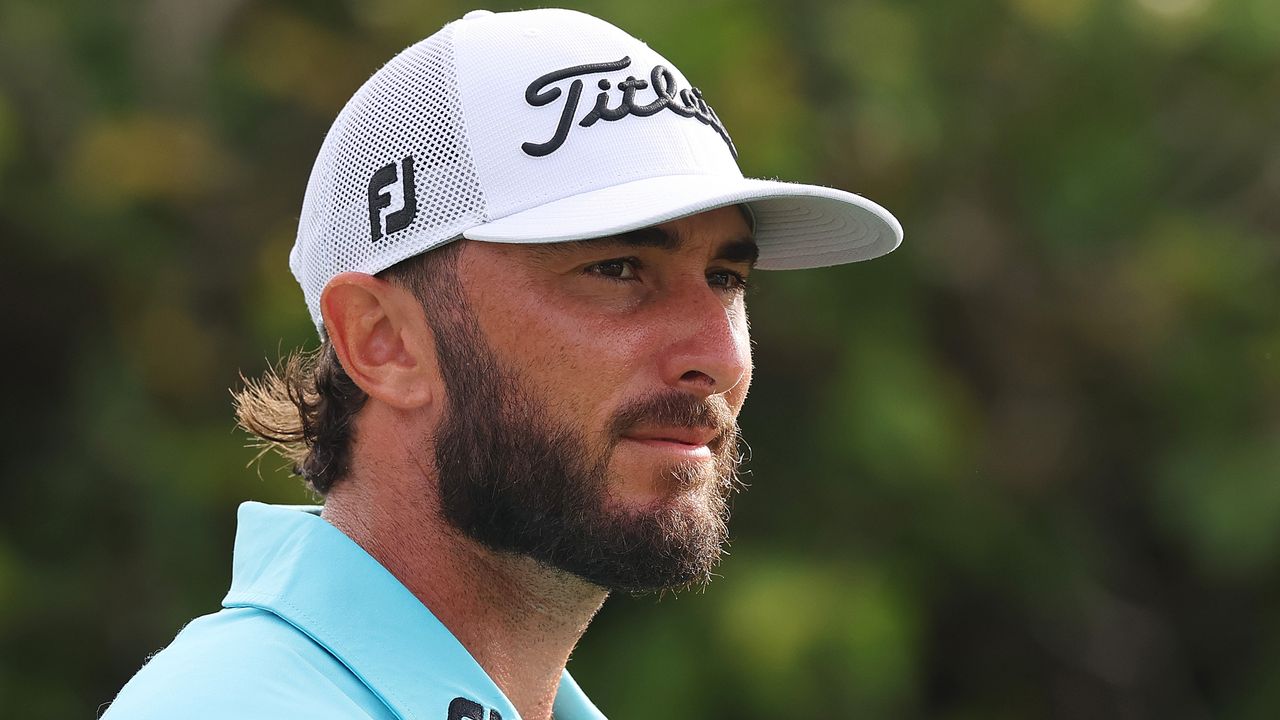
(707, 346)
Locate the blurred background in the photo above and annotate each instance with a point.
(1027, 466)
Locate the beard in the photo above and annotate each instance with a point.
(518, 482)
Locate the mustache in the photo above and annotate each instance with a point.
(677, 409)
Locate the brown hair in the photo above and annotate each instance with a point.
(304, 408)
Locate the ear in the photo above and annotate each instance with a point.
(380, 334)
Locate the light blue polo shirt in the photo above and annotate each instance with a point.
(315, 628)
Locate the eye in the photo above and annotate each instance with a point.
(727, 280)
(617, 269)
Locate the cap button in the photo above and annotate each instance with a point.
(477, 14)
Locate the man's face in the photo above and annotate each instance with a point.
(593, 390)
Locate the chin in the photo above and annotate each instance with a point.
(649, 486)
(665, 527)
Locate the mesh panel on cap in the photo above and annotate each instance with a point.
(410, 107)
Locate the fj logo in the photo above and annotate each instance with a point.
(392, 199)
(464, 709)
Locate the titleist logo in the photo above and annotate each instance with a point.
(685, 103)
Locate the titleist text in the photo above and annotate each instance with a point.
(685, 103)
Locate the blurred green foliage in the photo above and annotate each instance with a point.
(1026, 466)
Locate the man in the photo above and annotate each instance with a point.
(525, 244)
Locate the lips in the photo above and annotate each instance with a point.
(687, 436)
(691, 437)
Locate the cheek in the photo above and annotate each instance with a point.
(577, 364)
(742, 339)
(582, 347)
(737, 396)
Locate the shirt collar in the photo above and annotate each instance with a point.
(292, 563)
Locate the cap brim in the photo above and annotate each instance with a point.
(796, 226)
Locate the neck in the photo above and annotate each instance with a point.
(518, 618)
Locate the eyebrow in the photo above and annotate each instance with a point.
(738, 250)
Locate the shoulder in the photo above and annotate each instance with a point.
(244, 663)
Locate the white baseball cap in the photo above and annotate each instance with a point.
(544, 126)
